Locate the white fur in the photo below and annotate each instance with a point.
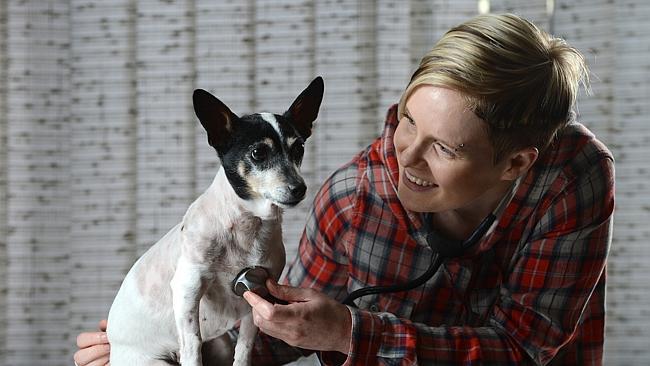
(270, 118)
(178, 294)
(291, 140)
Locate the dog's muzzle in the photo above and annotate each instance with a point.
(288, 196)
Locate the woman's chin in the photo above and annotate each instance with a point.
(414, 201)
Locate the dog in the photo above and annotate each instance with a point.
(178, 294)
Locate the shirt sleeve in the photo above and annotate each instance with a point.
(320, 263)
(541, 301)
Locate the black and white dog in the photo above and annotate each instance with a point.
(178, 295)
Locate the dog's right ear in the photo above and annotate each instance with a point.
(216, 117)
(304, 109)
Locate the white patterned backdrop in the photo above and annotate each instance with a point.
(100, 152)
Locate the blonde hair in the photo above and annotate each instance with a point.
(520, 80)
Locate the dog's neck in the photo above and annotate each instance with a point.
(260, 207)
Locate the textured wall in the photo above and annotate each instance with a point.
(100, 153)
(36, 167)
(614, 36)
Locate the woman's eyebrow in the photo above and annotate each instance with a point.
(457, 148)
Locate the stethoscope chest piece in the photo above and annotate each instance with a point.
(251, 279)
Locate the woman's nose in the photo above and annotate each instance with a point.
(413, 154)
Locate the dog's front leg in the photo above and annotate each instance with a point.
(245, 341)
(187, 290)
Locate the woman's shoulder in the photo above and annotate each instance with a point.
(576, 163)
(576, 132)
(579, 150)
(574, 150)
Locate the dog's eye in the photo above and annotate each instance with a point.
(259, 153)
(298, 149)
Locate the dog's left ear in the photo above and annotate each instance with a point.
(304, 110)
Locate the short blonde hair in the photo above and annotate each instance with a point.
(520, 80)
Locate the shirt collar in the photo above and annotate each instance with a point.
(388, 155)
(389, 162)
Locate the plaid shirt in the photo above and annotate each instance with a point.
(532, 291)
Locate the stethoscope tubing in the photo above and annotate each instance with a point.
(441, 249)
(372, 290)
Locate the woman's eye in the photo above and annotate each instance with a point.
(410, 120)
(259, 154)
(446, 151)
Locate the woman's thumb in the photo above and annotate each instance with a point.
(288, 293)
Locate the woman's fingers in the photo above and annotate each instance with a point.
(99, 362)
(94, 349)
(288, 293)
(88, 339)
(103, 325)
(86, 356)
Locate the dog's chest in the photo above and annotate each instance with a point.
(243, 241)
(240, 241)
(249, 232)
(219, 311)
(251, 241)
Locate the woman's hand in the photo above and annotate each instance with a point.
(94, 349)
(311, 320)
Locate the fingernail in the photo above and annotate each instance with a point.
(104, 337)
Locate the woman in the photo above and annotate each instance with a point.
(483, 143)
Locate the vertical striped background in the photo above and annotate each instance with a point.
(100, 153)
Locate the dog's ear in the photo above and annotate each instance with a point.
(304, 110)
(216, 117)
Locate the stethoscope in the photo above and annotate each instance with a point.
(254, 278)
(442, 247)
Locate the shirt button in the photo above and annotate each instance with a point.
(374, 307)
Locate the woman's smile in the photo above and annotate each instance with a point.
(417, 184)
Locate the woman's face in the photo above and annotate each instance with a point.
(444, 155)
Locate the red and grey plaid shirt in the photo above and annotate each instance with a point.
(532, 291)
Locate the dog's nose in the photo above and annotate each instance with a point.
(297, 190)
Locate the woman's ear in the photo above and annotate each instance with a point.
(518, 163)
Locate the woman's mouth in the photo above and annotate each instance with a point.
(416, 183)
(419, 181)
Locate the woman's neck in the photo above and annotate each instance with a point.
(460, 223)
